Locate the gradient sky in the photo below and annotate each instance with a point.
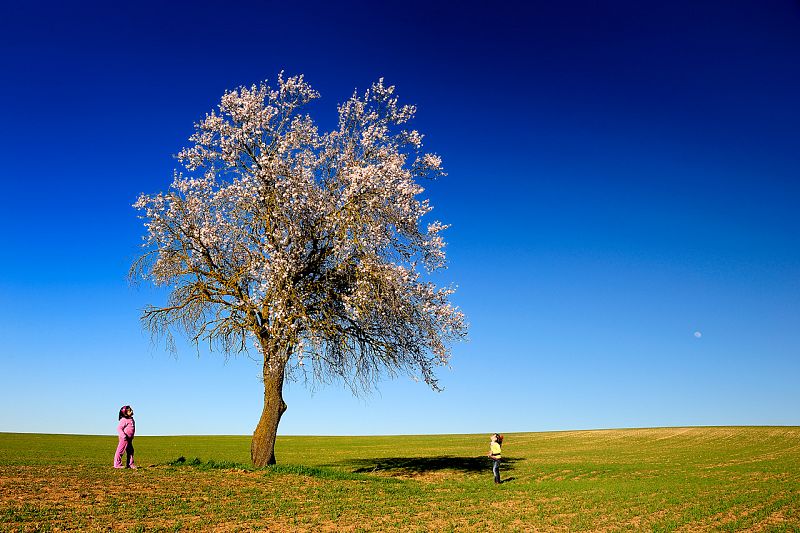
(623, 189)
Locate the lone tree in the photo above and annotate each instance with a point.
(305, 246)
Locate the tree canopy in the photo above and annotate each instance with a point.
(307, 247)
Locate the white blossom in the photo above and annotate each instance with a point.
(310, 243)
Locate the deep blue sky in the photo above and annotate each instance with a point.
(622, 175)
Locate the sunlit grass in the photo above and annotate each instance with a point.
(650, 479)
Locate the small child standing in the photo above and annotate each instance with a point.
(495, 455)
(125, 430)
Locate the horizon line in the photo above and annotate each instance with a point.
(416, 434)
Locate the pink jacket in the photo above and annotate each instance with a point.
(126, 428)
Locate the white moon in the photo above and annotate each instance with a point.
(697, 334)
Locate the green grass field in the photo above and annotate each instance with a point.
(672, 479)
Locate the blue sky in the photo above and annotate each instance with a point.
(621, 176)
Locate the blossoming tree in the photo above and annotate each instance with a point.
(305, 246)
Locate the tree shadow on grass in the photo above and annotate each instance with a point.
(411, 466)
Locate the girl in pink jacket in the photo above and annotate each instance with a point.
(126, 429)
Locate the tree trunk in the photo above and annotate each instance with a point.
(262, 448)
